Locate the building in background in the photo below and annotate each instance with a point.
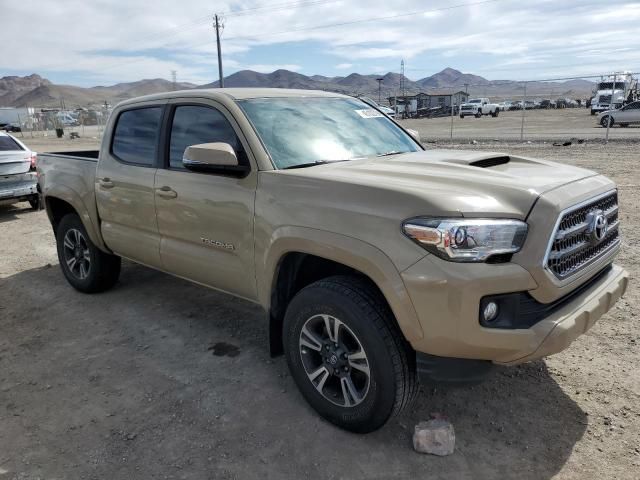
(428, 104)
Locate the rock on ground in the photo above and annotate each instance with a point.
(436, 437)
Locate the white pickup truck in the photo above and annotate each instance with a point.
(479, 107)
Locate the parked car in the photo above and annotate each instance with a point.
(517, 105)
(18, 180)
(504, 106)
(12, 127)
(389, 112)
(377, 262)
(479, 107)
(624, 116)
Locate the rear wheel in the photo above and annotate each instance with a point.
(495, 114)
(461, 116)
(86, 267)
(35, 202)
(346, 354)
(606, 120)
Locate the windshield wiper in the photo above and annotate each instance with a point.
(392, 152)
(313, 164)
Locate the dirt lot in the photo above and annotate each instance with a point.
(125, 385)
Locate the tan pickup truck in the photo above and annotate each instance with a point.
(378, 263)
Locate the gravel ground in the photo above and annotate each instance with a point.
(159, 378)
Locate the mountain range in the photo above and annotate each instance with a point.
(33, 90)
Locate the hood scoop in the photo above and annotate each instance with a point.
(490, 162)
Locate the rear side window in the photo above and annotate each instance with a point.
(135, 139)
(8, 144)
(193, 125)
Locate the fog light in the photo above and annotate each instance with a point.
(490, 311)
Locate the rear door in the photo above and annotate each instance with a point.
(629, 114)
(14, 157)
(205, 219)
(125, 184)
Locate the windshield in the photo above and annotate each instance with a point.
(308, 130)
(475, 100)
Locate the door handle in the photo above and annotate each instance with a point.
(106, 182)
(166, 192)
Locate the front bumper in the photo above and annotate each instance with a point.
(446, 297)
(18, 187)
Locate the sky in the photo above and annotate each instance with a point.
(102, 42)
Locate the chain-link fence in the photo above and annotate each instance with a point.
(594, 107)
(40, 122)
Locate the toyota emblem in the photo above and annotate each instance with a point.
(598, 226)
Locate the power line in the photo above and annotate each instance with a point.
(363, 20)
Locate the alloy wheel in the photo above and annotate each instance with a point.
(334, 360)
(76, 253)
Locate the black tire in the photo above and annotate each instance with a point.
(461, 116)
(593, 112)
(479, 114)
(35, 202)
(495, 114)
(101, 270)
(391, 383)
(605, 119)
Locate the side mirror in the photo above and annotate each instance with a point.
(212, 158)
(414, 133)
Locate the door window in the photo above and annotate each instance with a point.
(135, 139)
(193, 125)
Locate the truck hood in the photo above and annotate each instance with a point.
(452, 182)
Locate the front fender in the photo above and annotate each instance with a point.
(349, 251)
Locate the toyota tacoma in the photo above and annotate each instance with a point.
(378, 263)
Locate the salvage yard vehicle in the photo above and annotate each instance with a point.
(625, 116)
(378, 263)
(479, 107)
(18, 179)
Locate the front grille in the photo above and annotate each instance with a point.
(605, 98)
(575, 244)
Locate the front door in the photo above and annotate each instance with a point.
(206, 220)
(125, 185)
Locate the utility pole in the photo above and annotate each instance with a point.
(466, 88)
(218, 25)
(402, 77)
(379, 80)
(174, 75)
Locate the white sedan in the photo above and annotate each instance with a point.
(623, 116)
(18, 178)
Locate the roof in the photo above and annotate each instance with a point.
(235, 94)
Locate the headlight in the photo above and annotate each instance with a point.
(466, 240)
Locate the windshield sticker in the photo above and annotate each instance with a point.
(369, 113)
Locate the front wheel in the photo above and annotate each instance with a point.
(86, 267)
(478, 114)
(346, 355)
(606, 121)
